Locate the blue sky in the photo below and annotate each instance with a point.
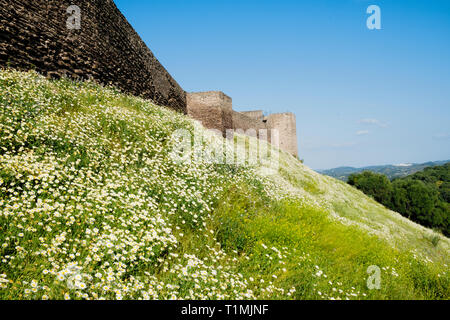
(361, 97)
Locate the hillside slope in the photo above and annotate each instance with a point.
(93, 206)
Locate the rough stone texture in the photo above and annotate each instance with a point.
(242, 122)
(33, 34)
(286, 125)
(213, 109)
(257, 114)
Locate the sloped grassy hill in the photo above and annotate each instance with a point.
(93, 206)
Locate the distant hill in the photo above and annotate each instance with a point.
(391, 171)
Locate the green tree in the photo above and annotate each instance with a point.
(422, 197)
(444, 190)
(419, 203)
(376, 185)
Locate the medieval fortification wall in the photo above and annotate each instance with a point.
(38, 34)
(214, 109)
(34, 34)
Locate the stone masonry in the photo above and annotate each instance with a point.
(286, 124)
(34, 35)
(214, 110)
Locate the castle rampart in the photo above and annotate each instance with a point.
(34, 35)
(241, 121)
(39, 34)
(214, 110)
(286, 125)
(257, 114)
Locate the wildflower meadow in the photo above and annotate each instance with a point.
(93, 205)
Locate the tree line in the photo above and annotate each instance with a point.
(423, 197)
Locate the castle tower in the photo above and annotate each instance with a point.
(213, 109)
(286, 125)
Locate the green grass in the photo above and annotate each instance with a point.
(313, 240)
(92, 206)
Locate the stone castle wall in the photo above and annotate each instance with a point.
(34, 35)
(257, 114)
(106, 48)
(286, 125)
(214, 110)
(241, 121)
